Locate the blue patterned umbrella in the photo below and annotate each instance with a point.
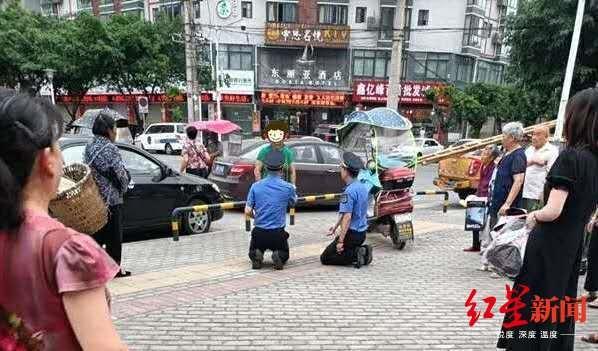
(383, 117)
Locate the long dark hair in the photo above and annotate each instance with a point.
(27, 125)
(581, 123)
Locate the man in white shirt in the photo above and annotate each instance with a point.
(540, 157)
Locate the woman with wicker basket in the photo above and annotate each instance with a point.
(112, 179)
(52, 278)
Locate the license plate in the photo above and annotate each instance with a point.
(402, 218)
(219, 170)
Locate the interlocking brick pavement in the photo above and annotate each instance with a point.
(406, 300)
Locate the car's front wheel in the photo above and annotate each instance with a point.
(197, 222)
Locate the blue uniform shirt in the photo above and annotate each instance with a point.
(355, 201)
(269, 199)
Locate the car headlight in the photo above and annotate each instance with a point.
(215, 187)
(371, 165)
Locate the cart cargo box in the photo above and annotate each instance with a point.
(394, 202)
(397, 178)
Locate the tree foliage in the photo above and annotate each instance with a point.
(124, 53)
(22, 48)
(540, 37)
(479, 102)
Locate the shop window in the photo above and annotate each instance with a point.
(235, 57)
(281, 12)
(387, 15)
(247, 9)
(360, 14)
(333, 14)
(437, 66)
(423, 17)
(465, 68)
(471, 35)
(371, 63)
(483, 70)
(419, 65)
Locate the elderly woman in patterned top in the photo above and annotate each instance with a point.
(112, 179)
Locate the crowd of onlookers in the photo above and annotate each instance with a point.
(559, 192)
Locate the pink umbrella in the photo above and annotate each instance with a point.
(221, 126)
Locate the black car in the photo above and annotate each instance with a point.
(155, 191)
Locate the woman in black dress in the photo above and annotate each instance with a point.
(553, 253)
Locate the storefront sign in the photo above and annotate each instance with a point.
(299, 98)
(377, 91)
(306, 77)
(240, 82)
(236, 99)
(283, 69)
(294, 34)
(129, 98)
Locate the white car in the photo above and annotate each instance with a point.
(427, 146)
(167, 137)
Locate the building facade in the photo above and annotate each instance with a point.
(312, 62)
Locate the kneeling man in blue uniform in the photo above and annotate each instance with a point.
(267, 202)
(347, 247)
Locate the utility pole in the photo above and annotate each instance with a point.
(192, 85)
(560, 121)
(396, 61)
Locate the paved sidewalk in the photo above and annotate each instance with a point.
(200, 293)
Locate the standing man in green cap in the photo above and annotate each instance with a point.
(267, 202)
(347, 247)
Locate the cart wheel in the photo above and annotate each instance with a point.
(394, 235)
(398, 244)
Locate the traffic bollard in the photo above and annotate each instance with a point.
(437, 192)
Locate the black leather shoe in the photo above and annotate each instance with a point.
(257, 259)
(278, 264)
(360, 259)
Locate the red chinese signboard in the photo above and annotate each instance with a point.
(543, 310)
(321, 99)
(129, 98)
(377, 91)
(236, 99)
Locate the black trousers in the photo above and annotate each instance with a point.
(200, 172)
(269, 239)
(111, 234)
(353, 240)
(591, 283)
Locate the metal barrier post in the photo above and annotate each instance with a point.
(437, 192)
(446, 201)
(175, 226)
(247, 223)
(292, 216)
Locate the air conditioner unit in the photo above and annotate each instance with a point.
(372, 23)
(497, 38)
